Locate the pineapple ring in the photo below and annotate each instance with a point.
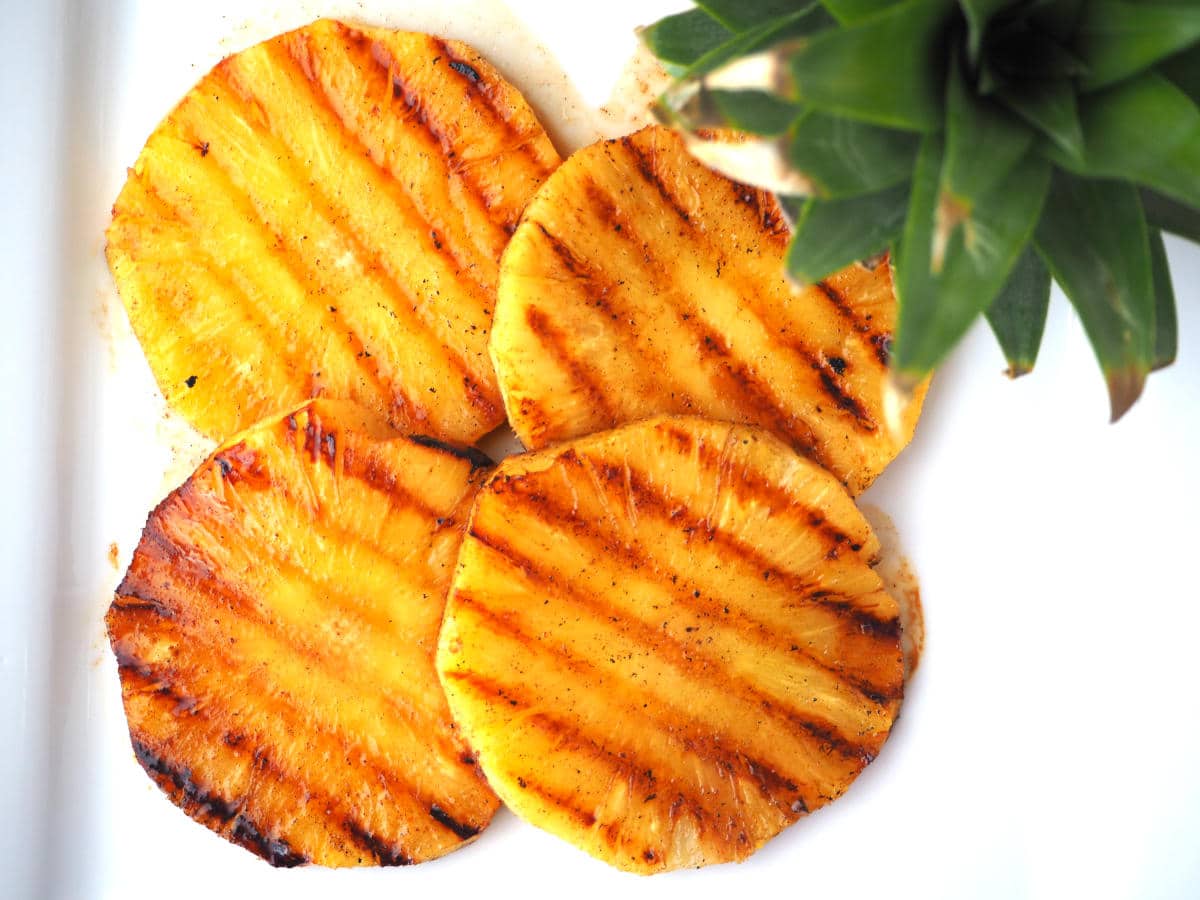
(666, 642)
(275, 636)
(323, 215)
(640, 282)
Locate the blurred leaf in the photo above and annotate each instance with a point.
(1059, 18)
(1144, 130)
(804, 21)
(680, 40)
(936, 309)
(1050, 107)
(983, 142)
(1117, 39)
(1094, 240)
(847, 12)
(756, 112)
(1018, 314)
(1021, 53)
(978, 13)
(1171, 215)
(842, 157)
(883, 70)
(739, 15)
(1184, 70)
(831, 234)
(1166, 325)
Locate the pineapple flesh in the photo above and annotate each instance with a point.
(323, 215)
(640, 282)
(275, 636)
(666, 642)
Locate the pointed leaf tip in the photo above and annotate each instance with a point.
(1124, 387)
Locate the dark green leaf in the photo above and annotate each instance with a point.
(983, 142)
(978, 13)
(1144, 130)
(1093, 238)
(682, 39)
(1184, 70)
(756, 112)
(739, 15)
(804, 21)
(847, 12)
(1026, 54)
(831, 234)
(1018, 314)
(842, 157)
(1171, 215)
(1166, 325)
(1058, 18)
(884, 70)
(1117, 39)
(1050, 107)
(936, 308)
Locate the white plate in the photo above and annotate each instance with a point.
(1049, 742)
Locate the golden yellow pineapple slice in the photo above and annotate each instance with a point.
(666, 642)
(323, 214)
(275, 636)
(641, 282)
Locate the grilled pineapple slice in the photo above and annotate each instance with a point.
(641, 282)
(323, 215)
(275, 636)
(666, 642)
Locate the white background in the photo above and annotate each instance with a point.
(1050, 743)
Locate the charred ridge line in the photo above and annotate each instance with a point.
(876, 341)
(639, 630)
(389, 776)
(462, 269)
(695, 738)
(464, 831)
(645, 165)
(385, 853)
(556, 342)
(307, 69)
(736, 376)
(396, 401)
(476, 457)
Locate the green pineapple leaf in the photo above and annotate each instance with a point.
(978, 13)
(755, 112)
(831, 234)
(1184, 70)
(847, 12)
(799, 23)
(1093, 238)
(1118, 39)
(1171, 215)
(681, 40)
(1018, 314)
(984, 142)
(1051, 108)
(842, 157)
(738, 15)
(1144, 130)
(937, 307)
(901, 85)
(1166, 324)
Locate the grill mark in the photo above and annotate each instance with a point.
(476, 457)
(765, 209)
(297, 720)
(697, 739)
(558, 344)
(681, 655)
(425, 226)
(394, 398)
(239, 298)
(778, 414)
(384, 852)
(383, 59)
(877, 342)
(732, 376)
(464, 831)
(375, 266)
(213, 810)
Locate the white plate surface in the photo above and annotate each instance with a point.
(1049, 743)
